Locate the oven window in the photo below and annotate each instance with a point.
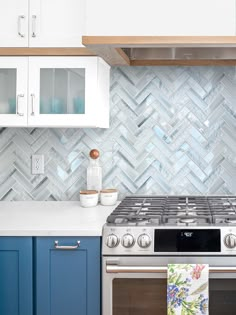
(222, 297)
(139, 296)
(148, 296)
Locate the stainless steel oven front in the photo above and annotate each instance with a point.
(137, 285)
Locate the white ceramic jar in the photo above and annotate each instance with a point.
(88, 198)
(108, 197)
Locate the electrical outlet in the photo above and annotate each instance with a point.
(37, 165)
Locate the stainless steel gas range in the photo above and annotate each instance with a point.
(146, 233)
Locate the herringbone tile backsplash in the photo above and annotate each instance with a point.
(173, 131)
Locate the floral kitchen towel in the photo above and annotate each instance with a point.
(187, 289)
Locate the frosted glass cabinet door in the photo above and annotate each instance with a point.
(13, 91)
(63, 91)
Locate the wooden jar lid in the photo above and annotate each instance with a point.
(111, 190)
(88, 192)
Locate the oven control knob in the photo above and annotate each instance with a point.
(112, 240)
(230, 240)
(127, 240)
(144, 241)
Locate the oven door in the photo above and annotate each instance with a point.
(138, 285)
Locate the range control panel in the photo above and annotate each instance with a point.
(147, 241)
(127, 241)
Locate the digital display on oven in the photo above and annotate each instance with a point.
(187, 240)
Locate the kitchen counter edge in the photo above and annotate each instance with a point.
(51, 218)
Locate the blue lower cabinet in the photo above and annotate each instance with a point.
(67, 273)
(16, 296)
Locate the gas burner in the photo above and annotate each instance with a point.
(224, 220)
(188, 220)
(230, 220)
(136, 218)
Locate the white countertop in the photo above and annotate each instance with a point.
(51, 218)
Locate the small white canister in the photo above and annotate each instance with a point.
(108, 197)
(88, 198)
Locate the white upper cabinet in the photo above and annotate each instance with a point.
(160, 17)
(14, 23)
(42, 23)
(56, 23)
(54, 92)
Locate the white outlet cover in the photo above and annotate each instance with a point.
(37, 164)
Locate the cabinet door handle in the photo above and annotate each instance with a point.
(159, 269)
(32, 104)
(17, 105)
(67, 247)
(34, 25)
(20, 18)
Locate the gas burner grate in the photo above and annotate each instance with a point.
(137, 210)
(188, 210)
(223, 209)
(175, 210)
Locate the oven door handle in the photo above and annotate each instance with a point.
(158, 269)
